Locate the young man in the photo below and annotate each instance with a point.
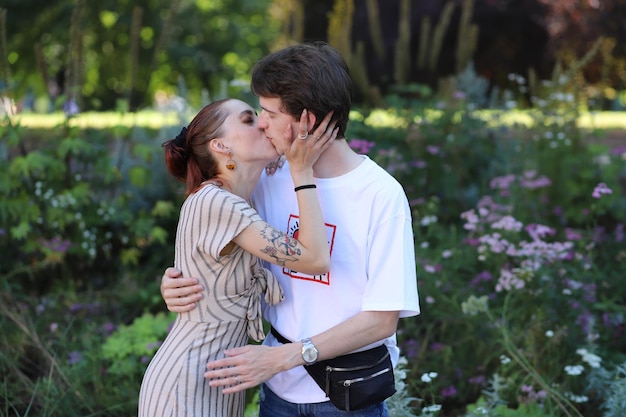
(371, 282)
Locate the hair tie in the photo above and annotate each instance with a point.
(181, 139)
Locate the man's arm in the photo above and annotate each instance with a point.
(254, 364)
(180, 294)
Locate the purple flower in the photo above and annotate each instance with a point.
(449, 391)
(74, 357)
(600, 189)
(56, 244)
(535, 183)
(75, 308)
(108, 328)
(419, 164)
(503, 182)
(478, 380)
(538, 231)
(471, 241)
(437, 347)
(70, 108)
(361, 146)
(618, 150)
(571, 234)
(153, 345)
(411, 348)
(482, 276)
(619, 233)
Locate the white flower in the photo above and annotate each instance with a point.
(574, 369)
(428, 377)
(549, 333)
(591, 359)
(432, 409)
(428, 220)
(577, 398)
(504, 359)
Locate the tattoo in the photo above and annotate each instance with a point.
(284, 248)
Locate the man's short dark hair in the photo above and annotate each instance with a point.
(310, 75)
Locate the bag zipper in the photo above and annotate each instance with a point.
(356, 368)
(330, 369)
(349, 382)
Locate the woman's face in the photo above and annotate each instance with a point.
(247, 141)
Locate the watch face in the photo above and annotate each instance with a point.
(310, 355)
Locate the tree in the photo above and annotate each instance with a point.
(127, 50)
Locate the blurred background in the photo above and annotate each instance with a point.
(135, 54)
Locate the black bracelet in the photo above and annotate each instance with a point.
(304, 187)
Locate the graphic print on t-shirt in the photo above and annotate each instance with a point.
(293, 227)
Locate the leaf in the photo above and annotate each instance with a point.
(130, 256)
(139, 176)
(21, 230)
(159, 234)
(144, 151)
(74, 146)
(162, 208)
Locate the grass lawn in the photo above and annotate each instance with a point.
(597, 120)
(607, 127)
(151, 119)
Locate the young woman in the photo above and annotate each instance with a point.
(222, 240)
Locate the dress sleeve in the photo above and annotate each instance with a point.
(220, 217)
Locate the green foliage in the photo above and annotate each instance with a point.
(130, 347)
(481, 409)
(129, 51)
(68, 207)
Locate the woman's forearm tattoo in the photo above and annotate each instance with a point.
(283, 247)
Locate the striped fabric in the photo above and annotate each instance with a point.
(228, 314)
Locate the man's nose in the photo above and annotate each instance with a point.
(262, 123)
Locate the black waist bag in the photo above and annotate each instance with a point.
(356, 380)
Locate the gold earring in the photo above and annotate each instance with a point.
(230, 164)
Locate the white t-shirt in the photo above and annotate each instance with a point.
(368, 223)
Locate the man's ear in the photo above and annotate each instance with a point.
(311, 121)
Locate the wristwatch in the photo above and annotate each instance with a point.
(309, 351)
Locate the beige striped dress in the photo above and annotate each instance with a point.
(229, 312)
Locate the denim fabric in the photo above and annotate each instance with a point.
(274, 406)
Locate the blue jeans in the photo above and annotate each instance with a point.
(271, 405)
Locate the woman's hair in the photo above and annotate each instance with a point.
(187, 156)
(312, 76)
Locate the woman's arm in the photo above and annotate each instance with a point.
(309, 253)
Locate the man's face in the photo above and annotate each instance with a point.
(274, 122)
